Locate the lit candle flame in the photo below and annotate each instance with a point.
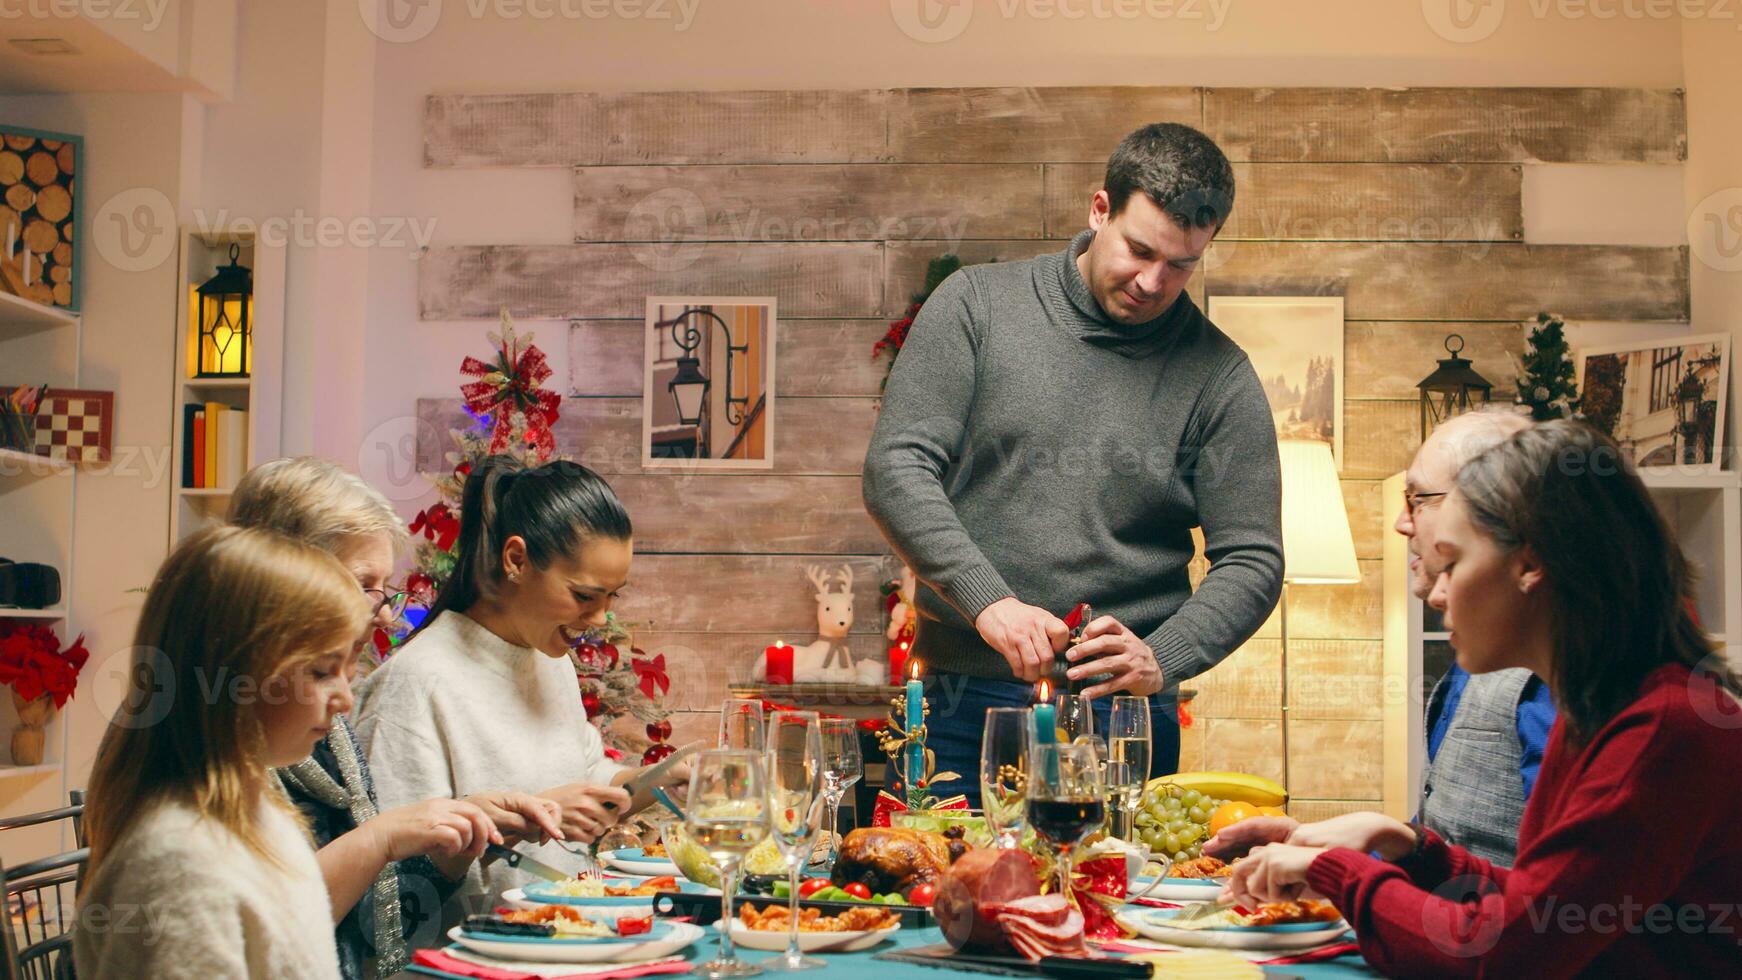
(912, 667)
(1043, 692)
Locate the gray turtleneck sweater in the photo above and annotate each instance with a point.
(1030, 446)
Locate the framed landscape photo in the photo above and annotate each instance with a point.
(1295, 344)
(1662, 400)
(708, 396)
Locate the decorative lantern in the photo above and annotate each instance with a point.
(1446, 393)
(223, 312)
(690, 388)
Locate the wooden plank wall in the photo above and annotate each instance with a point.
(1405, 202)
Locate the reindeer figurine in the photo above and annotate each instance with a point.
(829, 659)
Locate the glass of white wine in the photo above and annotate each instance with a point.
(843, 764)
(795, 802)
(1128, 754)
(1004, 749)
(741, 724)
(1074, 716)
(728, 815)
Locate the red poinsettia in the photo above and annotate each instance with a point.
(510, 387)
(896, 336)
(33, 664)
(438, 524)
(651, 673)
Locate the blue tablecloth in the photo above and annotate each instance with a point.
(863, 964)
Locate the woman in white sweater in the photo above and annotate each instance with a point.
(484, 695)
(199, 866)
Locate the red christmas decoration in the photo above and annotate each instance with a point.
(659, 731)
(510, 386)
(590, 702)
(438, 524)
(652, 674)
(33, 664)
(656, 752)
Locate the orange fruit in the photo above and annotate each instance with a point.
(1230, 813)
(1272, 811)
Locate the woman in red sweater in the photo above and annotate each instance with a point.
(1551, 556)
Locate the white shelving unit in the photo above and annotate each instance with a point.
(1704, 510)
(38, 497)
(260, 394)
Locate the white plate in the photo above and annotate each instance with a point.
(810, 942)
(681, 936)
(634, 862)
(516, 898)
(1144, 924)
(1178, 889)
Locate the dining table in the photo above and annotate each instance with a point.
(868, 964)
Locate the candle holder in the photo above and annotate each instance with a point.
(905, 745)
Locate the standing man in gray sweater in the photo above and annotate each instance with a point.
(1052, 432)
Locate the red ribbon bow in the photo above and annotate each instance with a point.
(510, 387)
(887, 805)
(651, 673)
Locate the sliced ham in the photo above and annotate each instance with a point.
(1042, 925)
(978, 881)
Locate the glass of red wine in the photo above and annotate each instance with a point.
(1065, 801)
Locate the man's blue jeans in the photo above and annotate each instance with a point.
(957, 721)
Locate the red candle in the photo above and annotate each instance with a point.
(779, 658)
(898, 663)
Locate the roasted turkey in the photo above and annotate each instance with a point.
(891, 859)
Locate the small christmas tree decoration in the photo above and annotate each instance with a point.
(1545, 373)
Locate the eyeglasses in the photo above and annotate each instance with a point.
(1413, 502)
(383, 599)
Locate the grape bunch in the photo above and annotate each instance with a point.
(1176, 821)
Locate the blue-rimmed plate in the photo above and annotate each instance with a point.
(664, 939)
(636, 862)
(549, 893)
(1153, 924)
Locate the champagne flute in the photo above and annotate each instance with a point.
(728, 815)
(741, 725)
(1004, 750)
(1128, 748)
(795, 799)
(1073, 716)
(842, 767)
(1065, 803)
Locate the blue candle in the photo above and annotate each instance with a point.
(1045, 723)
(915, 719)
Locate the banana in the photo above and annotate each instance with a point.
(1245, 787)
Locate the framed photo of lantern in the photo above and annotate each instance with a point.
(1662, 400)
(708, 392)
(39, 214)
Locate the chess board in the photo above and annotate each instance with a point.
(77, 426)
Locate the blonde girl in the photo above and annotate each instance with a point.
(199, 867)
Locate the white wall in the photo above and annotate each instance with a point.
(121, 524)
(737, 44)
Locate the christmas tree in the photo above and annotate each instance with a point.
(1545, 376)
(512, 415)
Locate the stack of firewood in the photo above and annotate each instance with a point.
(36, 218)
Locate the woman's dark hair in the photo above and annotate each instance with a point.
(554, 508)
(1618, 584)
(1183, 171)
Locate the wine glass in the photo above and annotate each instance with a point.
(795, 799)
(1004, 750)
(1073, 716)
(741, 725)
(1065, 803)
(842, 767)
(1128, 752)
(728, 815)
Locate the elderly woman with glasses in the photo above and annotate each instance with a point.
(387, 872)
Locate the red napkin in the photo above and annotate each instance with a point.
(1315, 955)
(435, 959)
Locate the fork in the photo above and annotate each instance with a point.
(1202, 910)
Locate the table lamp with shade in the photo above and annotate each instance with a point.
(1316, 544)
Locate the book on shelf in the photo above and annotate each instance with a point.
(215, 446)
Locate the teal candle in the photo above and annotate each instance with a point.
(1045, 724)
(915, 762)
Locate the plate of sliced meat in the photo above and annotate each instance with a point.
(1041, 925)
(1279, 925)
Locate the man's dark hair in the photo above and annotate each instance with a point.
(1183, 171)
